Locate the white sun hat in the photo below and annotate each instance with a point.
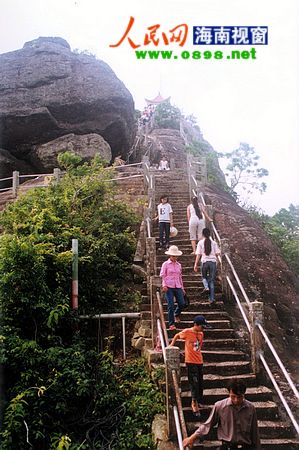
(173, 231)
(173, 251)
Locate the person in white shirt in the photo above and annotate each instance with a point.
(163, 165)
(207, 250)
(165, 221)
(196, 216)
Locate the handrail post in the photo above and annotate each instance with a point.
(256, 316)
(57, 175)
(15, 182)
(145, 165)
(172, 364)
(209, 209)
(155, 284)
(146, 133)
(150, 260)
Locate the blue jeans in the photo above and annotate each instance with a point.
(178, 294)
(195, 379)
(208, 271)
(164, 233)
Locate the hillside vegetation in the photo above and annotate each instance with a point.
(60, 392)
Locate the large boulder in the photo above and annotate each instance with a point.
(44, 156)
(47, 91)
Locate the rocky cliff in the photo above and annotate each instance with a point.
(263, 272)
(47, 91)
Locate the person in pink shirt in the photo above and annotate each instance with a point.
(172, 285)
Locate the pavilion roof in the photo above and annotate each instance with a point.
(158, 99)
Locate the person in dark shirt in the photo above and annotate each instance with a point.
(236, 421)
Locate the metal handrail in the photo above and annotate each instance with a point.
(290, 382)
(161, 339)
(148, 220)
(280, 394)
(35, 175)
(124, 165)
(178, 429)
(179, 419)
(179, 403)
(121, 316)
(150, 203)
(237, 278)
(161, 312)
(239, 304)
(279, 362)
(123, 178)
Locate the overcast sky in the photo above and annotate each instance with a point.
(252, 101)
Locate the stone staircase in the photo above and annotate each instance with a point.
(223, 351)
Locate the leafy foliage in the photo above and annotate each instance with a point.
(243, 170)
(59, 389)
(203, 149)
(283, 228)
(167, 116)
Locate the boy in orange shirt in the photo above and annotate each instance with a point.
(193, 338)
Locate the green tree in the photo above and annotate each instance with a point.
(59, 389)
(167, 116)
(243, 171)
(283, 229)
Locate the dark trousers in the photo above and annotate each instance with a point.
(195, 378)
(208, 274)
(229, 446)
(164, 232)
(172, 312)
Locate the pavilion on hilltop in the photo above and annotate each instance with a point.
(157, 100)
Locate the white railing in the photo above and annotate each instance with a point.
(121, 316)
(178, 427)
(271, 347)
(287, 376)
(280, 394)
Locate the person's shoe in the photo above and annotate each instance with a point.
(194, 407)
(172, 327)
(177, 319)
(204, 291)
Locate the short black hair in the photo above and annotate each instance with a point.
(238, 387)
(164, 196)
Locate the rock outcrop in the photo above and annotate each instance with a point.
(48, 91)
(44, 157)
(262, 270)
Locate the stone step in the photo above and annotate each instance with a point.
(224, 367)
(215, 324)
(211, 396)
(210, 344)
(222, 355)
(274, 429)
(267, 444)
(266, 410)
(210, 314)
(216, 380)
(208, 333)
